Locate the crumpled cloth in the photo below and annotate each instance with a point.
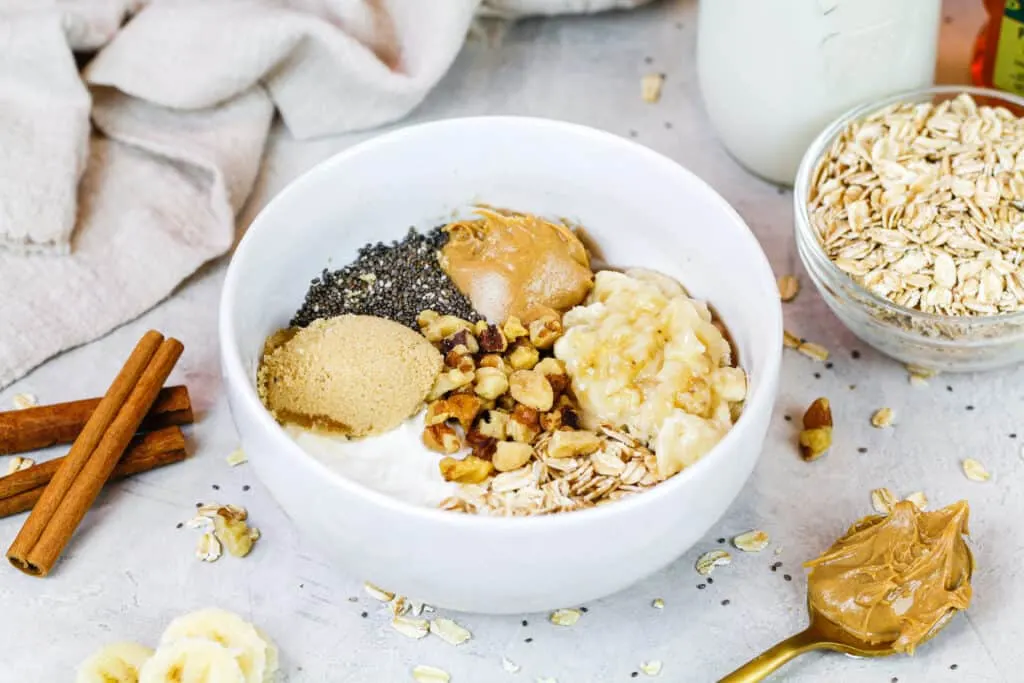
(120, 180)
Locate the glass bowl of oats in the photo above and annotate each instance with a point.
(910, 222)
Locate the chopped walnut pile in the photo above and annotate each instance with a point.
(506, 398)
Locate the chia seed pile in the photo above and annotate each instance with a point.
(395, 281)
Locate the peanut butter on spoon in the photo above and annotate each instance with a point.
(887, 585)
(893, 578)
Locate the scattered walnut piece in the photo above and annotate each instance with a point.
(532, 389)
(523, 357)
(491, 383)
(493, 424)
(545, 331)
(469, 470)
(816, 437)
(441, 438)
(443, 326)
(464, 408)
(511, 455)
(493, 340)
(514, 329)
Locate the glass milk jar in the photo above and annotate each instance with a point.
(774, 73)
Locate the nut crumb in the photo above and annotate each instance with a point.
(816, 437)
(974, 470)
(882, 418)
(650, 87)
(789, 287)
(658, 603)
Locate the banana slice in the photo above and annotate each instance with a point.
(256, 656)
(115, 663)
(273, 660)
(192, 660)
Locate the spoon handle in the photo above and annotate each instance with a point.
(758, 668)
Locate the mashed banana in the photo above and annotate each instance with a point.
(644, 356)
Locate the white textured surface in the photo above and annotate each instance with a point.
(129, 571)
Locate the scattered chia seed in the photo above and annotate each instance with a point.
(721, 540)
(525, 623)
(829, 365)
(970, 407)
(364, 614)
(862, 450)
(634, 674)
(527, 640)
(246, 487)
(216, 487)
(725, 602)
(710, 581)
(584, 610)
(855, 354)
(949, 388)
(395, 281)
(787, 577)
(953, 667)
(179, 525)
(787, 418)
(701, 586)
(198, 505)
(817, 375)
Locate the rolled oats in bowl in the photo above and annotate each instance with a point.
(910, 221)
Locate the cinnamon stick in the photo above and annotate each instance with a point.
(44, 426)
(21, 490)
(93, 455)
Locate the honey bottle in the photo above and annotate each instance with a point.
(999, 50)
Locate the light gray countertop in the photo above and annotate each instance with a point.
(129, 570)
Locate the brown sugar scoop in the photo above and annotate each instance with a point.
(94, 454)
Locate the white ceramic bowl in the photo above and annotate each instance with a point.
(642, 209)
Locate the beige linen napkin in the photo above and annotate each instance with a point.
(182, 98)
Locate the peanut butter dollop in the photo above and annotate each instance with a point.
(512, 264)
(894, 578)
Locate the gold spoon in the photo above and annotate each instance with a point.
(822, 634)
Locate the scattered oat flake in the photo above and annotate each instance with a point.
(416, 608)
(208, 549)
(917, 381)
(201, 522)
(22, 401)
(882, 418)
(707, 562)
(449, 631)
(237, 457)
(753, 541)
(651, 668)
(882, 500)
(378, 593)
(812, 350)
(17, 464)
(790, 340)
(975, 471)
(564, 617)
(510, 666)
(650, 87)
(423, 673)
(410, 627)
(919, 500)
(789, 287)
(658, 603)
(778, 551)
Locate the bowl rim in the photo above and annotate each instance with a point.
(762, 398)
(805, 234)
